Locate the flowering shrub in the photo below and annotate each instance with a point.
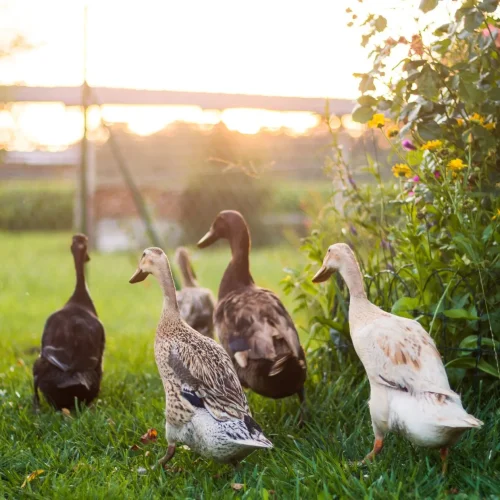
(429, 242)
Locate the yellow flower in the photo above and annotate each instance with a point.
(392, 132)
(460, 122)
(489, 126)
(429, 145)
(477, 118)
(401, 170)
(497, 215)
(456, 164)
(377, 121)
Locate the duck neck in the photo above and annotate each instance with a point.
(353, 278)
(188, 276)
(81, 294)
(237, 273)
(170, 309)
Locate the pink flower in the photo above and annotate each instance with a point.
(411, 193)
(416, 179)
(408, 145)
(437, 174)
(495, 32)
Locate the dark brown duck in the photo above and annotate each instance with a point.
(252, 323)
(70, 364)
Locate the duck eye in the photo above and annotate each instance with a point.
(143, 255)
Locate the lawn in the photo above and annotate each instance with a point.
(89, 455)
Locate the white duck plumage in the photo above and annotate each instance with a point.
(206, 407)
(410, 392)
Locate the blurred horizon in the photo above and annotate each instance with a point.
(257, 48)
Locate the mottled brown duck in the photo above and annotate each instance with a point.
(69, 368)
(252, 323)
(206, 407)
(196, 304)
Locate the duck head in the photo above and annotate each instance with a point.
(335, 259)
(79, 247)
(227, 223)
(152, 259)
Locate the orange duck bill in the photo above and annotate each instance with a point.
(207, 240)
(323, 274)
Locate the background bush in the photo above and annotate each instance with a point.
(428, 242)
(42, 209)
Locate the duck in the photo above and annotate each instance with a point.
(206, 408)
(69, 368)
(196, 304)
(409, 390)
(251, 322)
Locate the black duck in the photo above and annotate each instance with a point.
(70, 364)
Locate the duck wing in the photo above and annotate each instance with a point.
(208, 378)
(73, 340)
(398, 353)
(254, 324)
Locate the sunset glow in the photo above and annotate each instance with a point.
(258, 47)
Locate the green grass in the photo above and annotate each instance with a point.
(88, 454)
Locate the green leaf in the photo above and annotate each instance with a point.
(384, 105)
(367, 100)
(494, 94)
(444, 28)
(428, 82)
(366, 84)
(362, 114)
(380, 23)
(488, 231)
(470, 363)
(469, 92)
(473, 20)
(428, 5)
(470, 342)
(411, 66)
(488, 5)
(404, 305)
(460, 314)
(429, 130)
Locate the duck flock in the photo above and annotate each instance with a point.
(259, 349)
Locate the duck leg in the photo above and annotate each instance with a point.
(36, 399)
(303, 408)
(377, 448)
(444, 458)
(168, 456)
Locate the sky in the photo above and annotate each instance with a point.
(270, 47)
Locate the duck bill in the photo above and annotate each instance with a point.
(323, 274)
(138, 276)
(207, 240)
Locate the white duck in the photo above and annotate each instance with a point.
(206, 407)
(410, 392)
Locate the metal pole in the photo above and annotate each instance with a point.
(134, 190)
(84, 222)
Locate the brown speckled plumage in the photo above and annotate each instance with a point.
(206, 407)
(252, 323)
